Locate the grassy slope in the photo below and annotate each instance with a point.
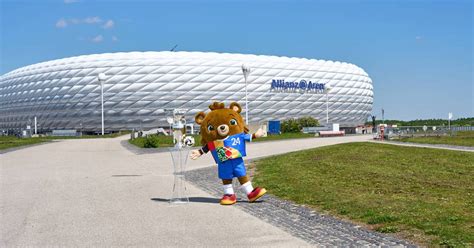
(424, 194)
(10, 141)
(460, 139)
(111, 135)
(167, 141)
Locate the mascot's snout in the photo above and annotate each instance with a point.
(223, 130)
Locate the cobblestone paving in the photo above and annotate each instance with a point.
(300, 221)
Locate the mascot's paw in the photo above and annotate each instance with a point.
(228, 199)
(256, 193)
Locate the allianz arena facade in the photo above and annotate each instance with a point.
(140, 86)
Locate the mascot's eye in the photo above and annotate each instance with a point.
(233, 122)
(210, 128)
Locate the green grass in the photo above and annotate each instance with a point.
(152, 141)
(11, 141)
(465, 138)
(423, 195)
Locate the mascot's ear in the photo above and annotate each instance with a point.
(236, 107)
(200, 117)
(216, 105)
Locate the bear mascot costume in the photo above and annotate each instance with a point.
(224, 133)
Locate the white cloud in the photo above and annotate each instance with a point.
(92, 20)
(70, 1)
(114, 38)
(98, 38)
(61, 23)
(88, 20)
(109, 24)
(75, 21)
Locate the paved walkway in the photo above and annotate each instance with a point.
(95, 192)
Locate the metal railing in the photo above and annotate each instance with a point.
(423, 131)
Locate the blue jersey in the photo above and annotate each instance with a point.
(231, 147)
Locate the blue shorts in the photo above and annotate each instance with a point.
(231, 168)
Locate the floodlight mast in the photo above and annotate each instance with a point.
(327, 89)
(101, 77)
(246, 72)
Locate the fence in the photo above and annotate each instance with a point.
(417, 131)
(464, 128)
(316, 129)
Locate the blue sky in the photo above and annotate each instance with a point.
(419, 54)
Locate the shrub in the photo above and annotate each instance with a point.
(295, 125)
(151, 141)
(308, 122)
(290, 126)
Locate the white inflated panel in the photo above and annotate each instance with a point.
(65, 93)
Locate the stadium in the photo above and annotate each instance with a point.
(140, 86)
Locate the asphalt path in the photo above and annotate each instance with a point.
(98, 192)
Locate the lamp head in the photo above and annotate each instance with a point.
(101, 76)
(327, 88)
(245, 70)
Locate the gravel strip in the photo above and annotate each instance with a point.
(300, 221)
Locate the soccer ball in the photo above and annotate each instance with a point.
(188, 141)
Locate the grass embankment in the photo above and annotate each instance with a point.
(424, 195)
(155, 141)
(97, 136)
(12, 141)
(465, 138)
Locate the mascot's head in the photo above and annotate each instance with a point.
(220, 122)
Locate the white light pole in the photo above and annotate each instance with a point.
(36, 126)
(327, 104)
(246, 71)
(101, 78)
(383, 116)
(450, 116)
